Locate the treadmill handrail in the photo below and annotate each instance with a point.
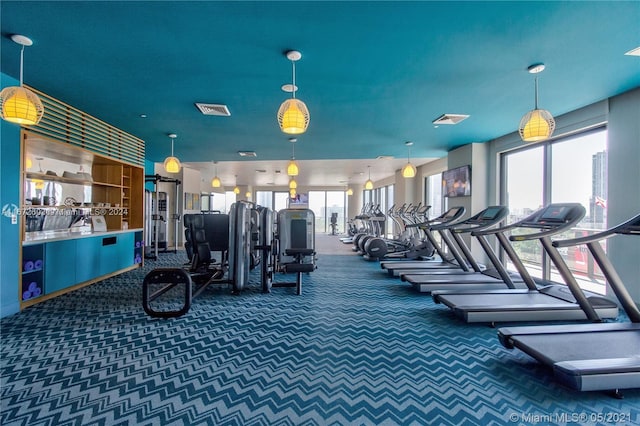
(475, 224)
(444, 222)
(619, 229)
(579, 213)
(528, 222)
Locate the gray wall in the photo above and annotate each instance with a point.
(624, 185)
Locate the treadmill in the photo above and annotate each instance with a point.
(453, 260)
(548, 303)
(589, 357)
(497, 277)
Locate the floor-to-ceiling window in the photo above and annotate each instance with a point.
(571, 169)
(264, 199)
(433, 196)
(324, 204)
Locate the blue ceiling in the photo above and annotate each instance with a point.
(373, 74)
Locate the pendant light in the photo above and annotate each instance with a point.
(536, 125)
(292, 168)
(369, 183)
(292, 193)
(17, 103)
(349, 191)
(172, 164)
(215, 182)
(247, 195)
(293, 184)
(293, 115)
(236, 190)
(409, 170)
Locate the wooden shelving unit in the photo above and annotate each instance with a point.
(117, 188)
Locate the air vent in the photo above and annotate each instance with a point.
(213, 109)
(247, 153)
(261, 171)
(450, 119)
(384, 157)
(634, 52)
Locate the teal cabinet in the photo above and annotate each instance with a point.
(59, 269)
(57, 265)
(126, 249)
(87, 264)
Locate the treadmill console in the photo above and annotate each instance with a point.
(554, 214)
(490, 213)
(452, 212)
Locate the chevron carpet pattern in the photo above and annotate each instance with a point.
(357, 348)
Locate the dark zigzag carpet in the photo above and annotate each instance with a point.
(357, 348)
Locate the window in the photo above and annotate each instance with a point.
(264, 198)
(571, 169)
(324, 204)
(434, 196)
(222, 202)
(280, 200)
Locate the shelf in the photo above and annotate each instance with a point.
(55, 178)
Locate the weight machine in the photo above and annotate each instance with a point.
(157, 218)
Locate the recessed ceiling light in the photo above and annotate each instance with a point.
(143, 115)
(634, 52)
(247, 153)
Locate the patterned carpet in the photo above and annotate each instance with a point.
(357, 348)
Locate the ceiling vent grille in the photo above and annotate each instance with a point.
(450, 119)
(214, 109)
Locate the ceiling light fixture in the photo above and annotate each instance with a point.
(247, 195)
(172, 164)
(18, 104)
(349, 190)
(293, 184)
(293, 115)
(409, 170)
(236, 190)
(536, 125)
(369, 183)
(292, 193)
(215, 182)
(292, 168)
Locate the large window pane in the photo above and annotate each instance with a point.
(280, 200)
(390, 203)
(317, 204)
(579, 174)
(335, 205)
(573, 169)
(434, 195)
(264, 199)
(524, 180)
